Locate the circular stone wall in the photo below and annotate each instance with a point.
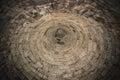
(61, 46)
(60, 41)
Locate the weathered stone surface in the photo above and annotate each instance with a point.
(60, 40)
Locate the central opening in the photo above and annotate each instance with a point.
(59, 35)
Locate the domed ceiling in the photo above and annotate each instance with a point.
(60, 40)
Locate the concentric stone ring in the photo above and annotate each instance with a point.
(59, 40)
(60, 46)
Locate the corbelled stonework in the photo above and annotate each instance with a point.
(60, 40)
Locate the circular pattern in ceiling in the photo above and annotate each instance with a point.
(61, 46)
(59, 40)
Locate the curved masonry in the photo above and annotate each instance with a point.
(61, 40)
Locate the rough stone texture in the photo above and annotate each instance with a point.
(60, 40)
